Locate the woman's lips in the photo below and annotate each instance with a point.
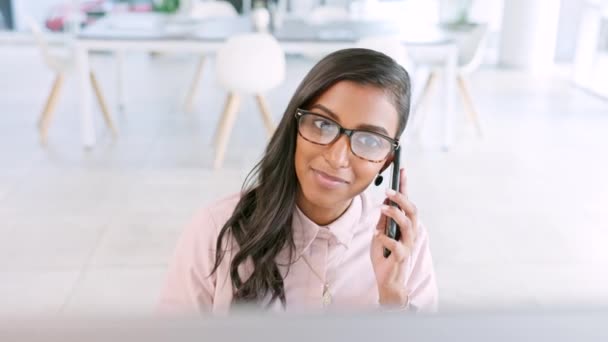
(327, 180)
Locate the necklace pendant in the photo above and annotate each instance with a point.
(326, 300)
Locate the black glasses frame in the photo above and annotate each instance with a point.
(348, 132)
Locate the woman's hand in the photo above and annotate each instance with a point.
(390, 272)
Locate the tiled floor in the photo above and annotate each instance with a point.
(517, 219)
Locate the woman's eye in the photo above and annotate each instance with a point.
(369, 140)
(323, 124)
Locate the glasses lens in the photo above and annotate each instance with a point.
(318, 129)
(370, 146)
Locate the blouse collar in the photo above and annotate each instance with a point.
(342, 229)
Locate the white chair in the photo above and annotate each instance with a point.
(263, 70)
(204, 10)
(212, 9)
(62, 62)
(470, 56)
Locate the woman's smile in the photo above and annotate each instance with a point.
(327, 180)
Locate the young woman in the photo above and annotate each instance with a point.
(303, 234)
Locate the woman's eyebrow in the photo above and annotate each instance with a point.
(373, 128)
(327, 111)
(366, 127)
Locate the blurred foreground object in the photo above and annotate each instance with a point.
(524, 326)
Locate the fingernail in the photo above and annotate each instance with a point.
(390, 192)
(384, 207)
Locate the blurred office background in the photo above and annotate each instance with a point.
(109, 111)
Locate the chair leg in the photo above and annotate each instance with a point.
(120, 58)
(102, 103)
(417, 120)
(189, 103)
(468, 103)
(266, 117)
(221, 122)
(49, 107)
(224, 129)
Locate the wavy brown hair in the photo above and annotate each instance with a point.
(261, 222)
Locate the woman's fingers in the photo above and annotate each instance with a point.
(398, 251)
(405, 216)
(403, 181)
(396, 214)
(404, 223)
(403, 202)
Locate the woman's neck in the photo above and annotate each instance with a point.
(320, 215)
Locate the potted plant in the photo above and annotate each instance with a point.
(454, 12)
(166, 6)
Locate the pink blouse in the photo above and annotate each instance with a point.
(338, 252)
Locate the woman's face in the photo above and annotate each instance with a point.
(332, 175)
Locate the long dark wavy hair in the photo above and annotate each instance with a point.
(261, 222)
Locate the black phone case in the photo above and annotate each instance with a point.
(392, 230)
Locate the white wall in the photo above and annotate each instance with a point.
(529, 34)
(569, 21)
(488, 11)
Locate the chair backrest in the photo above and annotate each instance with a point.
(41, 42)
(212, 9)
(390, 46)
(471, 48)
(324, 14)
(250, 63)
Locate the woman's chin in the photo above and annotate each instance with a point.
(325, 199)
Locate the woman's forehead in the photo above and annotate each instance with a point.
(353, 105)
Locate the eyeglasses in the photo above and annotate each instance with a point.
(320, 130)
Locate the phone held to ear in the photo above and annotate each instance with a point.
(392, 230)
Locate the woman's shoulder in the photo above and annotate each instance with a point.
(210, 218)
(222, 208)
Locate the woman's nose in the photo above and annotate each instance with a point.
(338, 153)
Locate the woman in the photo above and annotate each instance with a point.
(303, 234)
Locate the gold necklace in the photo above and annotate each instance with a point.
(326, 297)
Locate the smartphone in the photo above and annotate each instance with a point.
(392, 230)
